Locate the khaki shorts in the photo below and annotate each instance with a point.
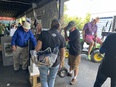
(74, 61)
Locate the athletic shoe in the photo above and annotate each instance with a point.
(74, 81)
(89, 57)
(69, 74)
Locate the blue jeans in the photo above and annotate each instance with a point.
(48, 80)
(101, 78)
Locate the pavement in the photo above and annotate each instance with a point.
(86, 76)
(8, 78)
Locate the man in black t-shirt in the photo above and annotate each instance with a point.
(107, 67)
(74, 49)
(51, 38)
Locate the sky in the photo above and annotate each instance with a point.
(94, 7)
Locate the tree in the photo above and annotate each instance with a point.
(80, 22)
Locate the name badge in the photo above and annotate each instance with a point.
(92, 33)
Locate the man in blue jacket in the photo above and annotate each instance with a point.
(108, 66)
(20, 45)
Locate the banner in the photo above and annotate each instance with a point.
(6, 18)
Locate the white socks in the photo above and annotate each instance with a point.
(71, 72)
(75, 77)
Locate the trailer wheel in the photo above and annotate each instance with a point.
(62, 72)
(96, 57)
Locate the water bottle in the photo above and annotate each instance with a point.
(56, 50)
(34, 55)
(53, 56)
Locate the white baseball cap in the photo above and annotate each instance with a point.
(27, 25)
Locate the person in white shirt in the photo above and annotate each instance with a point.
(12, 30)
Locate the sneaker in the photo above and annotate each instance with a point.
(25, 70)
(74, 81)
(69, 74)
(89, 57)
(15, 71)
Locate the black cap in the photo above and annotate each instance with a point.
(70, 25)
(55, 23)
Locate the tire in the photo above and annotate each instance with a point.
(95, 56)
(62, 72)
(66, 53)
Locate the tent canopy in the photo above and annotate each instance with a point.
(16, 8)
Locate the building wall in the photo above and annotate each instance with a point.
(46, 13)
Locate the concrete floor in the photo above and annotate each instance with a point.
(86, 76)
